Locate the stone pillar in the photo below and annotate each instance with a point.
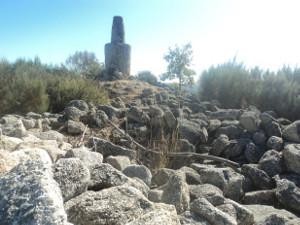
(117, 53)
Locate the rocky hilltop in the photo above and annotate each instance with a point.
(150, 157)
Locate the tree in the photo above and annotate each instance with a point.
(84, 64)
(179, 60)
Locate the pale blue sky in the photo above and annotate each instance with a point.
(261, 33)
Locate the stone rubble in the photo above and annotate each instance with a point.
(47, 177)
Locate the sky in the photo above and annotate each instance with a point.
(262, 33)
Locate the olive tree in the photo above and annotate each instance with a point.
(179, 60)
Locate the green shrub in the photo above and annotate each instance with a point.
(25, 94)
(147, 76)
(62, 90)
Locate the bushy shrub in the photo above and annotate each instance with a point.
(65, 89)
(147, 76)
(27, 85)
(237, 87)
(26, 94)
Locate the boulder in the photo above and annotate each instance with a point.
(75, 127)
(13, 128)
(263, 212)
(105, 176)
(271, 163)
(236, 148)
(243, 215)
(213, 125)
(29, 195)
(118, 205)
(259, 138)
(111, 112)
(154, 111)
(72, 177)
(292, 132)
(10, 143)
(274, 129)
(226, 114)
(219, 144)
(250, 120)
(192, 132)
(51, 135)
(192, 177)
(253, 153)
(266, 118)
(79, 104)
(135, 114)
(170, 119)
(107, 148)
(51, 146)
(291, 156)
(264, 197)
(275, 143)
(155, 195)
(161, 176)
(7, 162)
(184, 145)
(176, 192)
(210, 192)
(226, 179)
(188, 218)
(260, 178)
(204, 208)
(74, 113)
(231, 131)
(139, 171)
(99, 118)
(119, 162)
(288, 194)
(24, 155)
(89, 158)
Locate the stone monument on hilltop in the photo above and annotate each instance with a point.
(117, 53)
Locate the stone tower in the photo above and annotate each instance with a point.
(117, 53)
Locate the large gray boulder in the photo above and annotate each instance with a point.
(210, 192)
(204, 208)
(291, 156)
(74, 113)
(51, 135)
(29, 195)
(135, 114)
(107, 148)
(262, 197)
(253, 153)
(226, 114)
(219, 144)
(242, 215)
(188, 218)
(260, 178)
(72, 177)
(75, 127)
(292, 132)
(7, 162)
(79, 104)
(13, 128)
(288, 194)
(271, 163)
(119, 162)
(263, 212)
(230, 182)
(192, 132)
(24, 155)
(89, 158)
(274, 129)
(176, 192)
(139, 171)
(231, 131)
(118, 205)
(250, 120)
(192, 177)
(236, 148)
(161, 176)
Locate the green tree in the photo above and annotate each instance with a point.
(84, 64)
(179, 60)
